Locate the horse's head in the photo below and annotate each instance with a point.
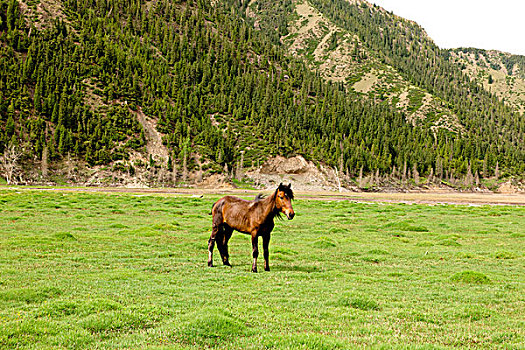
(283, 200)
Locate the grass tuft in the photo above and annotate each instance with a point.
(470, 277)
(405, 226)
(324, 242)
(360, 303)
(66, 236)
(475, 313)
(378, 252)
(372, 259)
(449, 243)
(120, 226)
(304, 341)
(284, 251)
(504, 255)
(112, 321)
(29, 295)
(211, 326)
(16, 334)
(60, 308)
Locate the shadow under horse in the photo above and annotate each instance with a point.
(251, 217)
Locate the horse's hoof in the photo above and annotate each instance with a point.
(210, 264)
(254, 270)
(227, 263)
(266, 269)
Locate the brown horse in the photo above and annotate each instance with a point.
(251, 217)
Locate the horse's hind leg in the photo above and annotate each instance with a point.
(217, 222)
(211, 244)
(223, 246)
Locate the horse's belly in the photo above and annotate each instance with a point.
(237, 226)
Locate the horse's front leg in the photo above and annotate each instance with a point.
(255, 248)
(266, 252)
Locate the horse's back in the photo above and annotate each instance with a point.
(226, 203)
(236, 205)
(233, 211)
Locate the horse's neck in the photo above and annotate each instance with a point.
(267, 207)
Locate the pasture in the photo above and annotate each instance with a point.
(83, 270)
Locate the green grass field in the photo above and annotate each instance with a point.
(81, 270)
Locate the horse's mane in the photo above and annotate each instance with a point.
(287, 189)
(259, 197)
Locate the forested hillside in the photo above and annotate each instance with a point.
(392, 61)
(501, 73)
(221, 89)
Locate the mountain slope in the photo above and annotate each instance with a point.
(220, 86)
(340, 56)
(392, 61)
(498, 72)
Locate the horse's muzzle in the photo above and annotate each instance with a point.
(290, 215)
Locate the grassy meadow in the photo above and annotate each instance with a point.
(91, 270)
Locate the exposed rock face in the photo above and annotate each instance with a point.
(508, 188)
(302, 174)
(281, 165)
(215, 181)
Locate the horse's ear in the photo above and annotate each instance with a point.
(290, 185)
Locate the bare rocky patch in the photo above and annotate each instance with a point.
(154, 145)
(44, 13)
(366, 83)
(303, 174)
